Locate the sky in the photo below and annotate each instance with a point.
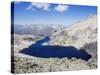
(26, 13)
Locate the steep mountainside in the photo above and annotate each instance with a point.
(78, 35)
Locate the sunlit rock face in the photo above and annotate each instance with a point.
(78, 35)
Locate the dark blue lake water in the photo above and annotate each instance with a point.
(48, 51)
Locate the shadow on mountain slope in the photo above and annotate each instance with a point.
(91, 48)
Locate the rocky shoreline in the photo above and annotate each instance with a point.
(28, 64)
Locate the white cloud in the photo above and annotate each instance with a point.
(61, 8)
(44, 6)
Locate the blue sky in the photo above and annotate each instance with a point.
(26, 13)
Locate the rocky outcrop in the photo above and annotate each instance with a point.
(80, 35)
(27, 64)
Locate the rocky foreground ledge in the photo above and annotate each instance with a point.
(27, 64)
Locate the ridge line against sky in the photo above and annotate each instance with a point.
(26, 13)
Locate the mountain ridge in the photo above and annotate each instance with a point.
(40, 29)
(78, 34)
